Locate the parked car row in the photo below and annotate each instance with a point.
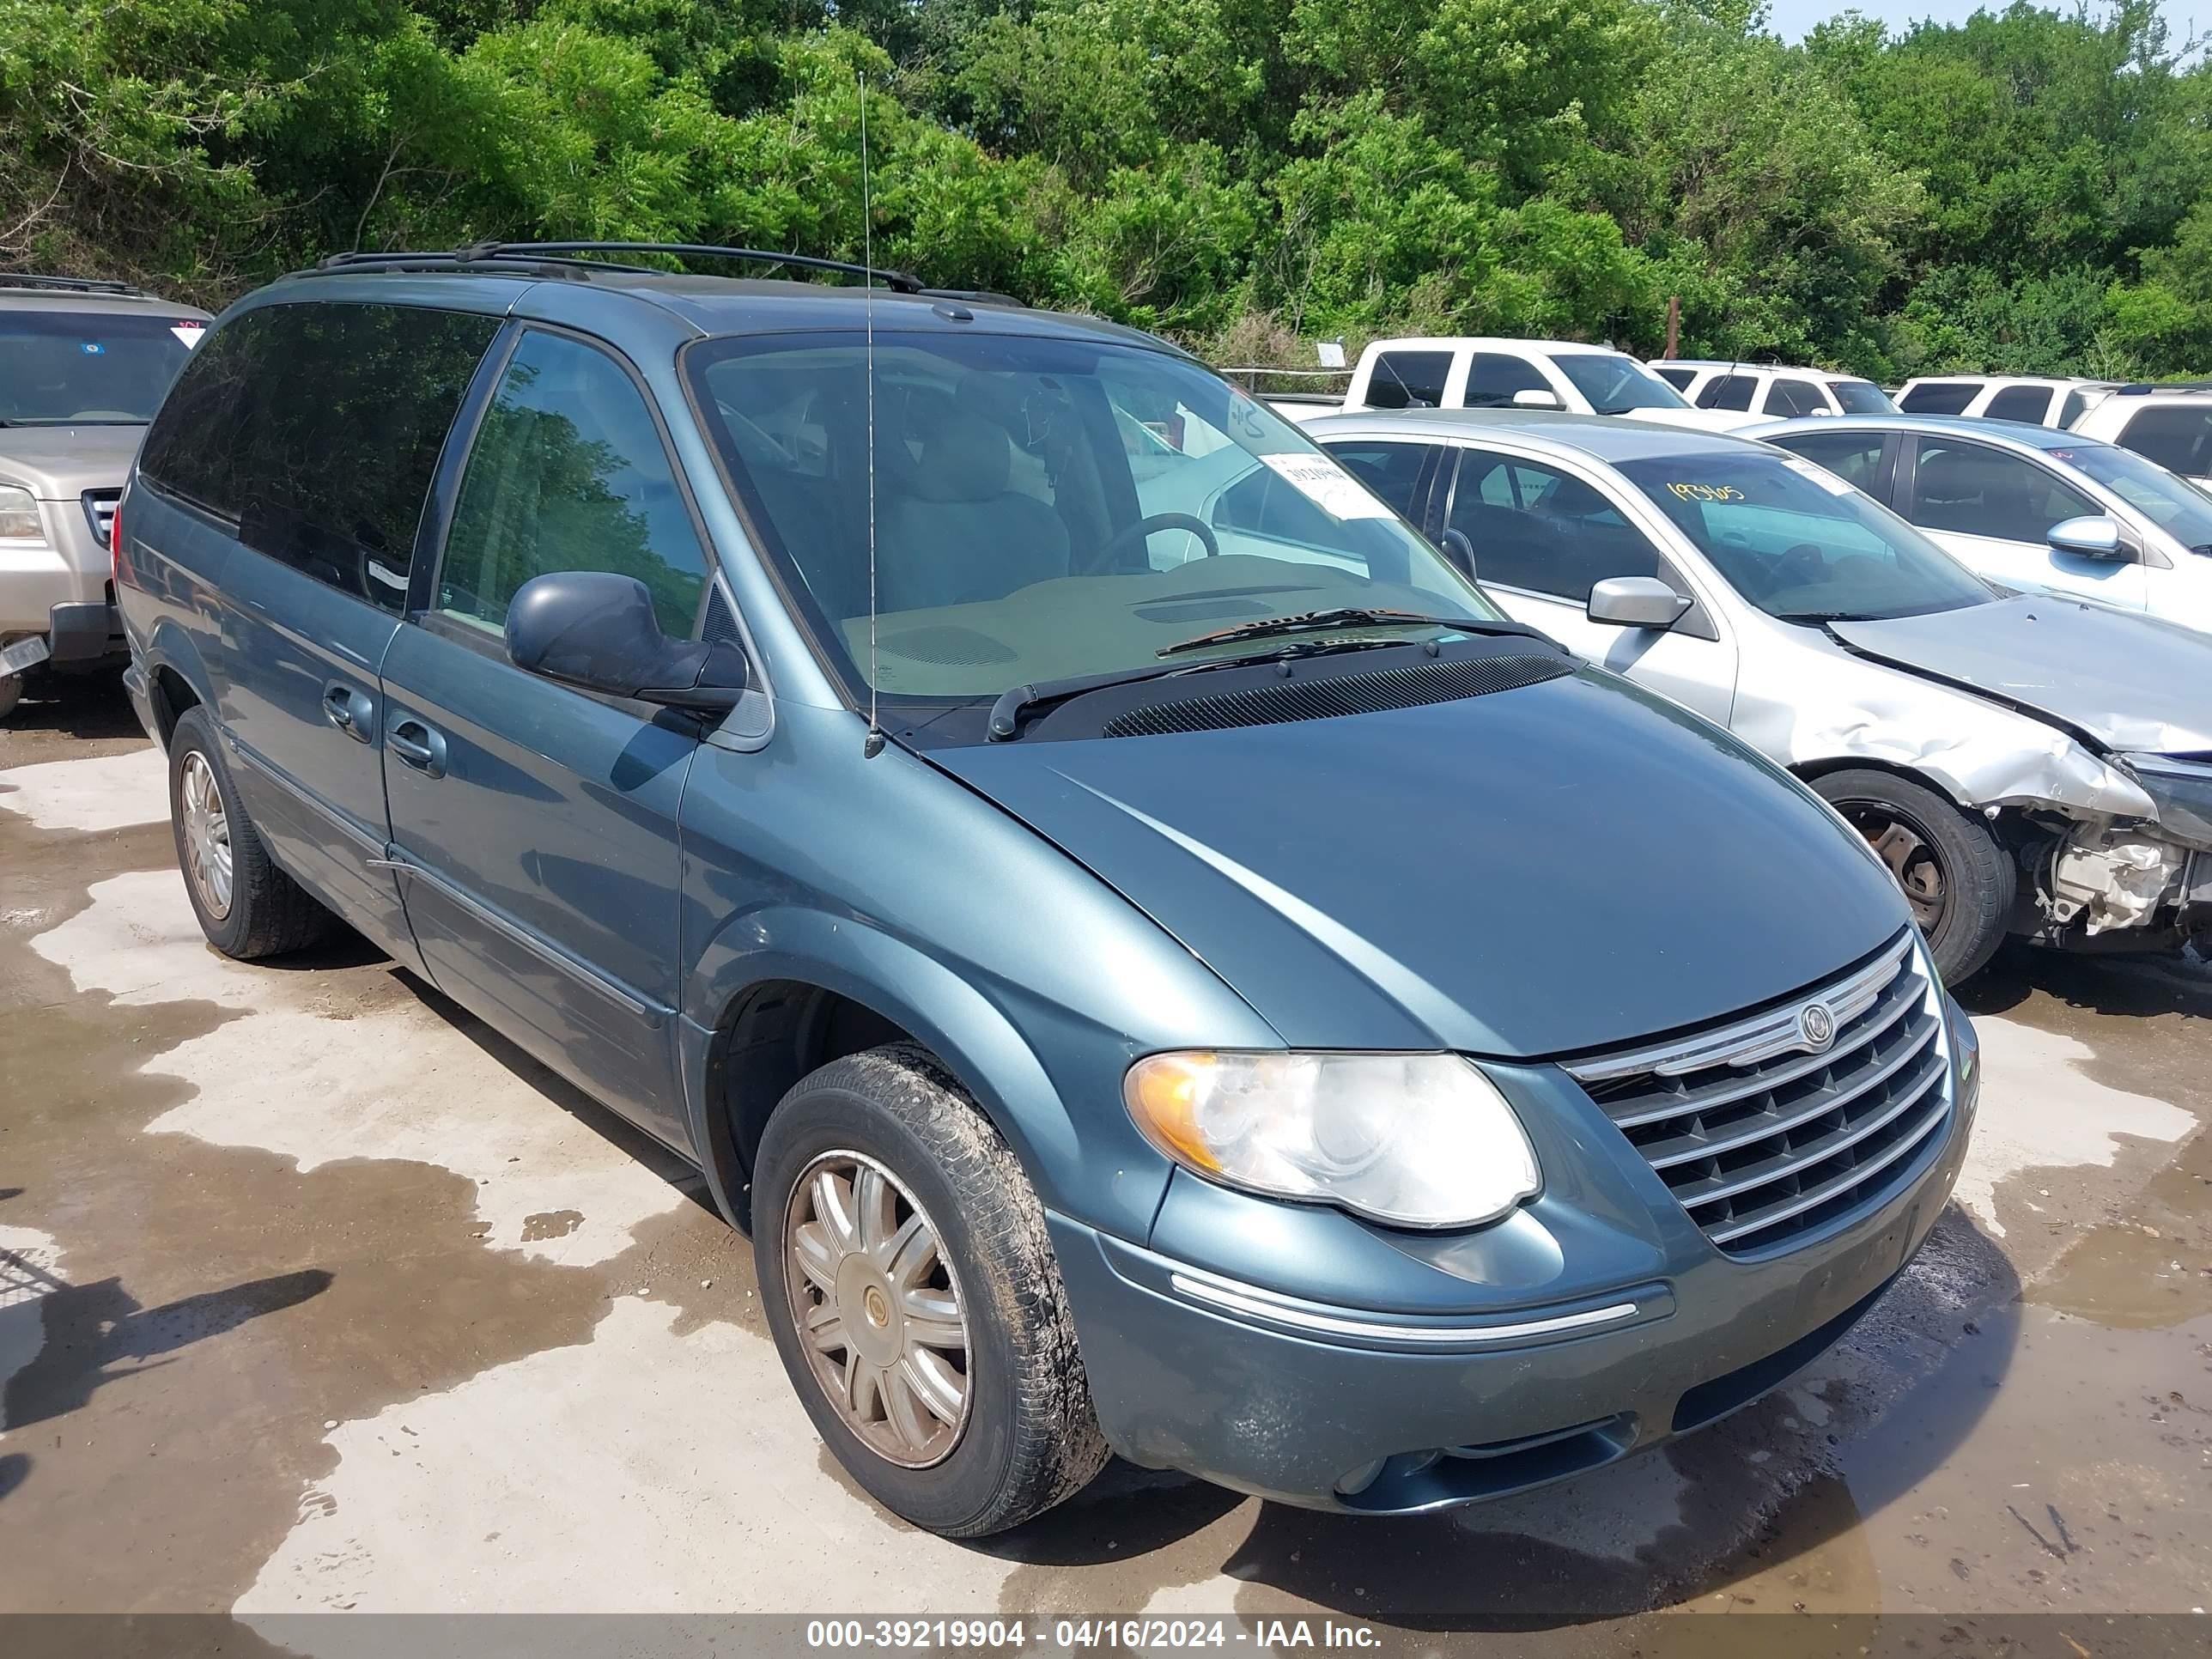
(1777, 393)
(1160, 960)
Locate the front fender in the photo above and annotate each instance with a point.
(939, 1009)
(1976, 751)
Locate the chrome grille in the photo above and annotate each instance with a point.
(99, 511)
(1761, 1134)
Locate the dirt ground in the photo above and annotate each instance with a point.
(315, 1295)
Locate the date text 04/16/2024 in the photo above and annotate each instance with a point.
(1078, 1634)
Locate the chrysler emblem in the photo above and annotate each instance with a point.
(1818, 1025)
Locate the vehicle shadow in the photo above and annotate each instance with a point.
(1629, 1538)
(2114, 985)
(88, 706)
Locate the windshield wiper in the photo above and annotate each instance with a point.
(1017, 700)
(1811, 618)
(1349, 615)
(1012, 703)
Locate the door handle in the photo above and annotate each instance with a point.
(352, 712)
(418, 746)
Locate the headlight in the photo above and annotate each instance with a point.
(1417, 1141)
(19, 515)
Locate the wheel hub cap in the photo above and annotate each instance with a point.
(206, 827)
(877, 1308)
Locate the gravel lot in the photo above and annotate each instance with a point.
(315, 1294)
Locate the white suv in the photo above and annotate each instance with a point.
(1772, 391)
(1465, 372)
(83, 366)
(2172, 428)
(2034, 400)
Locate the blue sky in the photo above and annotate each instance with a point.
(1792, 18)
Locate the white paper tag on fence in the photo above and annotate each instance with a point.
(1327, 486)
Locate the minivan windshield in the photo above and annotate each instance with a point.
(88, 369)
(1614, 383)
(2175, 505)
(1044, 507)
(1799, 543)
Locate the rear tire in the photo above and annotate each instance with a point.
(1959, 879)
(11, 693)
(247, 906)
(999, 1424)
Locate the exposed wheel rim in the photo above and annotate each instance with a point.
(1902, 843)
(207, 836)
(877, 1308)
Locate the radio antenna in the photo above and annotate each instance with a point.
(873, 744)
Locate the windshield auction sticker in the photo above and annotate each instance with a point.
(1327, 486)
(1820, 475)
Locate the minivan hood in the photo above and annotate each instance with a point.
(60, 462)
(1558, 868)
(2131, 683)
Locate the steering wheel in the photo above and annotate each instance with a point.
(1803, 566)
(1147, 527)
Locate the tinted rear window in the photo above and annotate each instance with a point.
(1939, 397)
(316, 429)
(2020, 402)
(1786, 396)
(2177, 436)
(1729, 392)
(1409, 379)
(1494, 378)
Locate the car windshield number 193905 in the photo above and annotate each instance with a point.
(1698, 492)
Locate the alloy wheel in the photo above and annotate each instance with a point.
(877, 1308)
(207, 836)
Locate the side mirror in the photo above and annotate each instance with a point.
(1534, 398)
(1636, 602)
(2093, 537)
(597, 630)
(1460, 551)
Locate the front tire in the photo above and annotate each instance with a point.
(1956, 875)
(247, 906)
(914, 1298)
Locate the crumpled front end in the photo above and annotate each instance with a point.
(2141, 880)
(2106, 815)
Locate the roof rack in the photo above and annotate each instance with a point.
(69, 284)
(555, 254)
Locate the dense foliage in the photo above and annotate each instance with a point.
(2030, 190)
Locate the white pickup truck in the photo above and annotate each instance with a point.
(1470, 371)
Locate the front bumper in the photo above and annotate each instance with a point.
(1334, 1406)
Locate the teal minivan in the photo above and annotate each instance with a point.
(1202, 985)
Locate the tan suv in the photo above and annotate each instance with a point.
(83, 365)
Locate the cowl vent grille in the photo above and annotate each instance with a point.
(1409, 686)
